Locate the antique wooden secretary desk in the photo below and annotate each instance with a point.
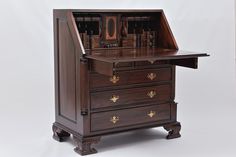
(114, 72)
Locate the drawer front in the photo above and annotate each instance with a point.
(132, 116)
(146, 63)
(133, 77)
(161, 93)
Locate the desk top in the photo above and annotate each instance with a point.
(115, 55)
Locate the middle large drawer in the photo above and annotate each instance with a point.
(157, 94)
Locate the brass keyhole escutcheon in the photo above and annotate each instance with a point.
(114, 119)
(114, 98)
(151, 94)
(151, 114)
(151, 76)
(114, 79)
(151, 61)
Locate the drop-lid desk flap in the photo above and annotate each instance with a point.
(104, 61)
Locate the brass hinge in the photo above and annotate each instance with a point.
(84, 111)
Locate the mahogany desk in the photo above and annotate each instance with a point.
(114, 72)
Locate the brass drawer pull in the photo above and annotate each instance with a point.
(151, 94)
(151, 76)
(151, 114)
(114, 98)
(114, 79)
(114, 119)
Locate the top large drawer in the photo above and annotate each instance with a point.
(130, 77)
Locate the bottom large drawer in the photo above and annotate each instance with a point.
(131, 116)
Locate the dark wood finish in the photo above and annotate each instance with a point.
(84, 145)
(59, 134)
(102, 67)
(67, 74)
(132, 116)
(148, 63)
(161, 93)
(84, 94)
(190, 63)
(173, 130)
(111, 57)
(133, 77)
(166, 37)
(109, 84)
(66, 114)
(140, 54)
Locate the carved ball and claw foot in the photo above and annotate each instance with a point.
(59, 134)
(173, 130)
(84, 145)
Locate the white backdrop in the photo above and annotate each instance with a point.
(206, 96)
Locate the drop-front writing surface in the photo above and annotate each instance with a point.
(140, 54)
(114, 72)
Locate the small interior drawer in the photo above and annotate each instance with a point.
(147, 63)
(158, 94)
(132, 116)
(130, 77)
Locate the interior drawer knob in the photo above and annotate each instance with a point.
(114, 98)
(151, 114)
(114, 79)
(114, 119)
(151, 94)
(151, 76)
